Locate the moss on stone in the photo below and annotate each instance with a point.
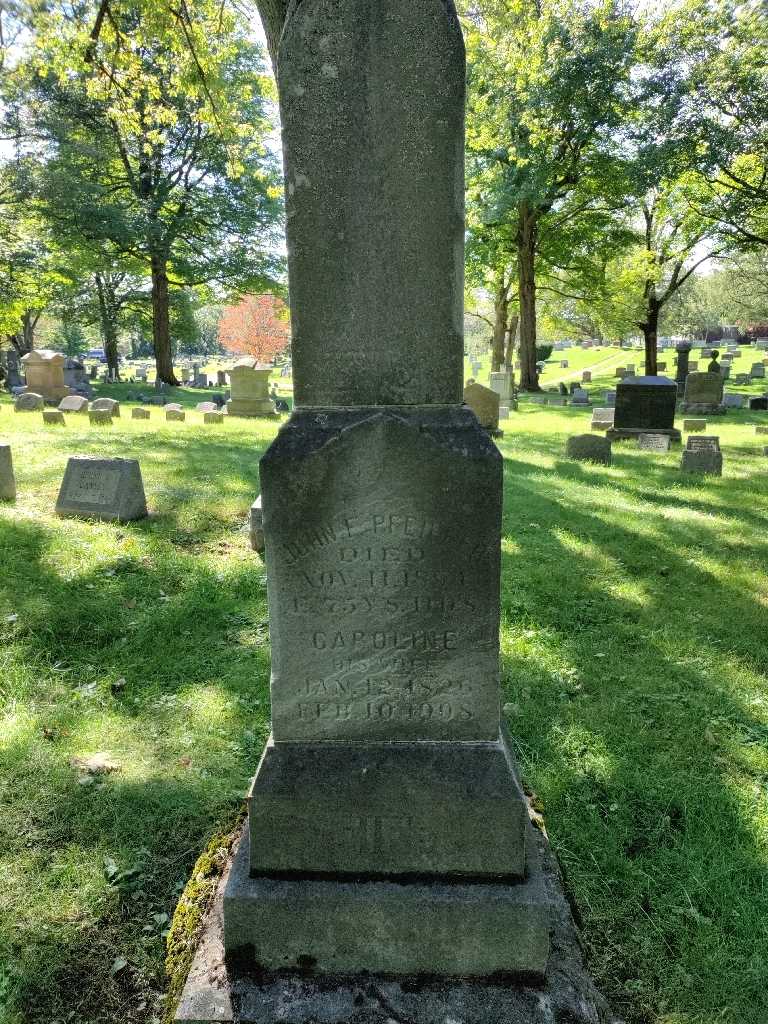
(190, 914)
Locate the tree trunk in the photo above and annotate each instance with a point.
(650, 330)
(161, 328)
(108, 317)
(272, 18)
(526, 265)
(509, 353)
(500, 326)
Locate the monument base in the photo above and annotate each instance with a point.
(260, 407)
(220, 991)
(703, 409)
(632, 433)
(331, 927)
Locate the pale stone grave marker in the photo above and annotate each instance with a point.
(213, 417)
(109, 405)
(74, 403)
(175, 415)
(7, 478)
(53, 417)
(694, 426)
(140, 414)
(29, 402)
(602, 419)
(484, 403)
(100, 417)
(654, 442)
(109, 489)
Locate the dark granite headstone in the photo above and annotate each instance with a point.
(703, 455)
(589, 448)
(645, 405)
(759, 403)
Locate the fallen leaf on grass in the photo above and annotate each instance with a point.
(118, 964)
(11, 618)
(95, 764)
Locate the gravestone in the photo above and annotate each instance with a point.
(175, 415)
(586, 377)
(92, 372)
(7, 478)
(589, 448)
(256, 526)
(100, 417)
(74, 374)
(694, 426)
(620, 372)
(693, 365)
(221, 379)
(250, 389)
(704, 393)
(501, 383)
(12, 368)
(106, 405)
(74, 403)
(703, 455)
(741, 379)
(213, 417)
(109, 489)
(661, 367)
(645, 405)
(758, 371)
(387, 829)
(564, 364)
(732, 401)
(654, 442)
(602, 419)
(761, 430)
(54, 417)
(140, 414)
(683, 349)
(206, 407)
(760, 402)
(29, 402)
(484, 403)
(610, 398)
(44, 371)
(580, 397)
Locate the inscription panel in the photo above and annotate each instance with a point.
(383, 583)
(92, 485)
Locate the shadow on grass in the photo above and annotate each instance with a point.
(637, 726)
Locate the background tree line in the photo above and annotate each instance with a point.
(613, 155)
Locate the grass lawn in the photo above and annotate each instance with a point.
(635, 670)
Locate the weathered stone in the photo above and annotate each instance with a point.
(703, 455)
(589, 448)
(654, 442)
(484, 403)
(213, 417)
(602, 419)
(175, 415)
(761, 430)
(620, 372)
(757, 371)
(206, 407)
(29, 402)
(694, 426)
(100, 417)
(74, 403)
(44, 371)
(580, 397)
(683, 350)
(7, 478)
(250, 390)
(759, 403)
(353, 185)
(174, 407)
(140, 414)
(733, 401)
(610, 399)
(106, 405)
(257, 526)
(54, 417)
(586, 377)
(703, 393)
(501, 383)
(109, 489)
(645, 405)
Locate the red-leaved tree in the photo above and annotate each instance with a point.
(257, 326)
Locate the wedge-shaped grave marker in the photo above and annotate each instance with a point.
(589, 448)
(54, 417)
(110, 489)
(109, 405)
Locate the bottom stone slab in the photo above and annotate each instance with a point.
(335, 927)
(632, 433)
(222, 992)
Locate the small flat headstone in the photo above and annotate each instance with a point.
(213, 417)
(586, 376)
(703, 444)
(206, 407)
(140, 414)
(7, 478)
(109, 489)
(761, 430)
(175, 415)
(694, 426)
(100, 417)
(654, 442)
(74, 403)
(589, 448)
(29, 402)
(106, 405)
(54, 417)
(580, 397)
